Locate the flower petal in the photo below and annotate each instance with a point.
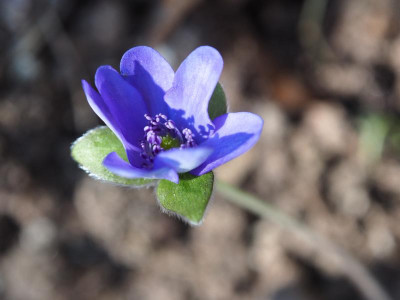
(98, 105)
(183, 160)
(120, 167)
(96, 102)
(150, 74)
(235, 134)
(193, 85)
(124, 102)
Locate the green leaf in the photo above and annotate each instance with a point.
(217, 105)
(91, 149)
(188, 198)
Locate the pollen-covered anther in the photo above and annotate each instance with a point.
(189, 136)
(170, 124)
(153, 138)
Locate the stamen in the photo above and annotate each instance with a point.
(170, 124)
(189, 138)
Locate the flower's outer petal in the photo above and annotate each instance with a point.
(96, 102)
(193, 85)
(98, 105)
(183, 160)
(150, 74)
(235, 133)
(124, 102)
(120, 167)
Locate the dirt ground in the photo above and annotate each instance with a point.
(324, 75)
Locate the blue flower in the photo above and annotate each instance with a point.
(161, 116)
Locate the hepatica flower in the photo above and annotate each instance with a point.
(164, 127)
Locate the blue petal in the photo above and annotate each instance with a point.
(150, 74)
(183, 160)
(96, 102)
(98, 105)
(124, 102)
(120, 167)
(193, 85)
(235, 133)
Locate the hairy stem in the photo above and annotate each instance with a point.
(350, 266)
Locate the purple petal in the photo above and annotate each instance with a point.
(124, 102)
(193, 85)
(235, 133)
(120, 167)
(151, 74)
(183, 160)
(96, 102)
(98, 105)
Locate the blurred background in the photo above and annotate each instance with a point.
(324, 75)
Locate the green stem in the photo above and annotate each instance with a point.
(350, 266)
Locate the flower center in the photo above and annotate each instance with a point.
(161, 134)
(169, 142)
